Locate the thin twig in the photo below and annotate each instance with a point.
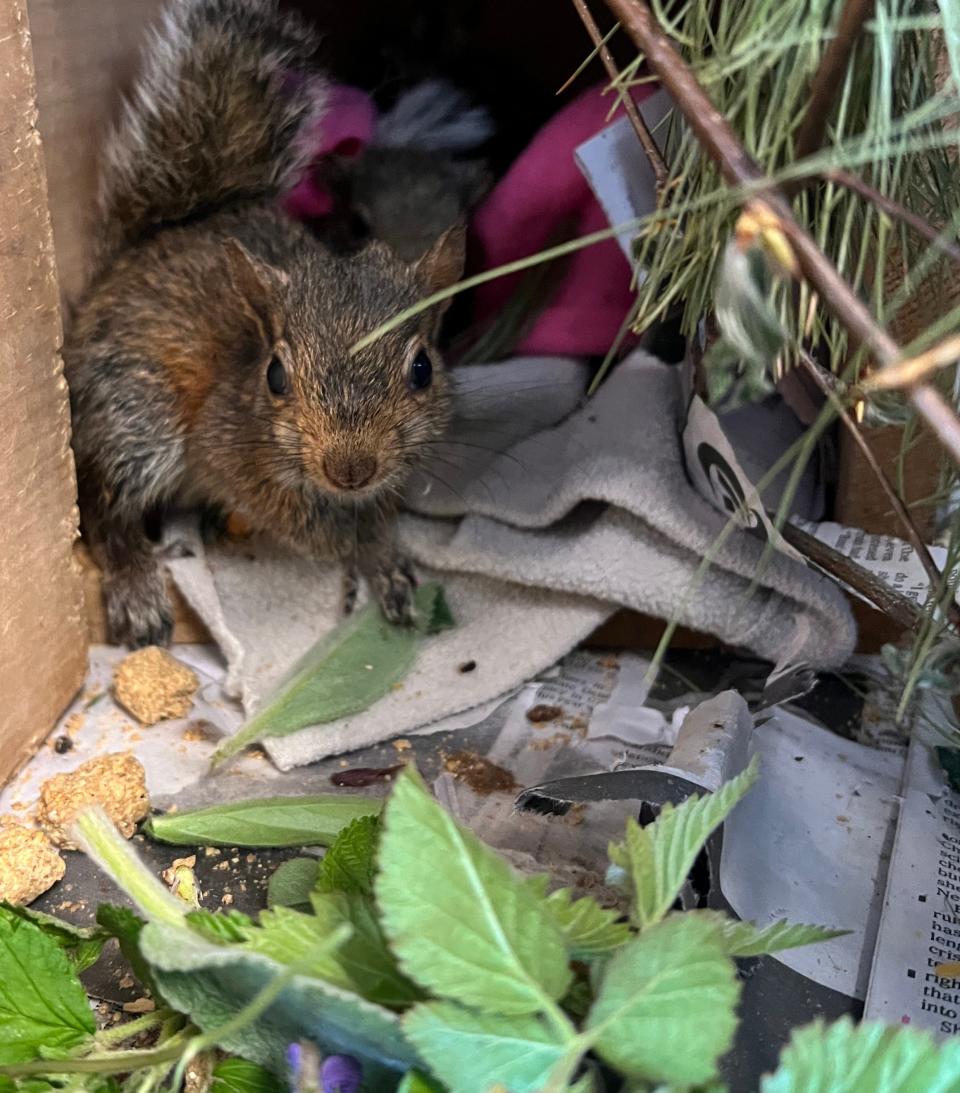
(912, 371)
(649, 145)
(828, 78)
(934, 236)
(717, 137)
(826, 381)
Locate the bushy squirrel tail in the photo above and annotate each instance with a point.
(219, 113)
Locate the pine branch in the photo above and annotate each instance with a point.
(908, 372)
(829, 76)
(737, 168)
(826, 381)
(649, 145)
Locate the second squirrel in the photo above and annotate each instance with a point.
(209, 361)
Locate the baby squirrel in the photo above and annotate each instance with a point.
(209, 360)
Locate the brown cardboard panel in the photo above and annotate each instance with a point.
(42, 635)
(85, 51)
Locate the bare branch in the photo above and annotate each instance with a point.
(717, 137)
(909, 372)
(649, 145)
(829, 76)
(826, 381)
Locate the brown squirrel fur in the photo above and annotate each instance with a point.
(209, 360)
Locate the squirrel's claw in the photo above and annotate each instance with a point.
(138, 608)
(394, 585)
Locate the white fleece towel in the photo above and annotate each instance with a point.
(542, 515)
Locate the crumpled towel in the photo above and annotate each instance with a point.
(542, 515)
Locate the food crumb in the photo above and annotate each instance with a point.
(115, 782)
(212, 852)
(544, 743)
(199, 731)
(609, 662)
(154, 686)
(126, 983)
(29, 865)
(402, 744)
(73, 724)
(479, 773)
(540, 714)
(140, 1005)
(226, 899)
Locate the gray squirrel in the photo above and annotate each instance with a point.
(209, 360)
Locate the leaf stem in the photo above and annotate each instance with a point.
(118, 1033)
(117, 1062)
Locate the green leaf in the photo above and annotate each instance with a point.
(475, 932)
(82, 944)
(364, 954)
(659, 856)
(334, 678)
(241, 1076)
(221, 927)
(665, 1008)
(746, 939)
(292, 882)
(415, 1082)
(42, 1004)
(470, 1051)
(867, 1058)
(589, 929)
(211, 983)
(263, 822)
(350, 863)
(305, 942)
(125, 926)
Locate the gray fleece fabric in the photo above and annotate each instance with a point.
(543, 514)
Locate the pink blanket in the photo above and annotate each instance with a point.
(542, 191)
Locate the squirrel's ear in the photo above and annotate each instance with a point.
(443, 263)
(259, 287)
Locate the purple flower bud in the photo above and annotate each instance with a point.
(294, 1058)
(340, 1074)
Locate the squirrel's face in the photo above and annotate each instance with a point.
(353, 425)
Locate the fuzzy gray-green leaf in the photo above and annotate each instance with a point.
(264, 821)
(345, 672)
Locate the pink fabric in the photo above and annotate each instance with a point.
(344, 129)
(543, 190)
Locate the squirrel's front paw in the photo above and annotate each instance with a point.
(393, 585)
(138, 608)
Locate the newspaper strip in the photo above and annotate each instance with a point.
(915, 978)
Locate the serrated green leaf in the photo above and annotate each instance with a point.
(42, 1004)
(867, 1058)
(746, 939)
(221, 927)
(264, 822)
(477, 934)
(589, 929)
(659, 856)
(82, 944)
(470, 1051)
(351, 862)
(665, 1008)
(292, 882)
(241, 1076)
(364, 955)
(211, 983)
(334, 680)
(305, 942)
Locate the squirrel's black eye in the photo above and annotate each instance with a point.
(421, 371)
(277, 378)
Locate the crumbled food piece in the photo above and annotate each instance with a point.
(540, 715)
(402, 744)
(126, 983)
(479, 773)
(115, 782)
(140, 1005)
(198, 731)
(545, 743)
(579, 725)
(29, 865)
(73, 724)
(212, 852)
(609, 662)
(226, 899)
(154, 686)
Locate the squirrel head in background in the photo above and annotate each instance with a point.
(307, 412)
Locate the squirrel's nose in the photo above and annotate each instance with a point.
(349, 472)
